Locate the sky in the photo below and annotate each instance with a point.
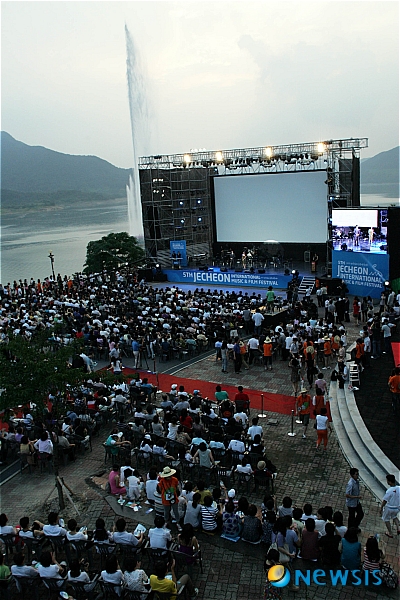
(216, 74)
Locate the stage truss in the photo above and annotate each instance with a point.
(176, 189)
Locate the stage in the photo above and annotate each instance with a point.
(239, 278)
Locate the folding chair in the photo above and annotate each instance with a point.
(54, 585)
(8, 540)
(26, 586)
(111, 591)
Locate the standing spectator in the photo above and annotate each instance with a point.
(257, 319)
(394, 386)
(357, 310)
(267, 347)
(376, 338)
(237, 356)
(168, 487)
(327, 352)
(390, 506)
(224, 356)
(387, 335)
(295, 369)
(322, 428)
(303, 407)
(356, 513)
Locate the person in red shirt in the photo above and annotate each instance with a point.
(303, 408)
(242, 401)
(394, 386)
(359, 360)
(267, 347)
(186, 420)
(168, 487)
(327, 352)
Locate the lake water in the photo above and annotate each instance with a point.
(27, 239)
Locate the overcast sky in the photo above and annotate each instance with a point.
(217, 74)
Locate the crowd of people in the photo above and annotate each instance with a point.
(186, 440)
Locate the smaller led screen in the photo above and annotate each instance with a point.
(360, 230)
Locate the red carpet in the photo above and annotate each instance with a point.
(272, 402)
(396, 353)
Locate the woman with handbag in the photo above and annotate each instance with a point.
(285, 540)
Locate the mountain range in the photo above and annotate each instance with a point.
(36, 177)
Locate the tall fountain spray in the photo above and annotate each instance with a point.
(138, 113)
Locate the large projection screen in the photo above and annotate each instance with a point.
(286, 207)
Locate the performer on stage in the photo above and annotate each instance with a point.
(371, 234)
(249, 257)
(232, 258)
(356, 234)
(244, 256)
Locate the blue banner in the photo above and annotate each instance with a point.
(178, 248)
(364, 273)
(215, 277)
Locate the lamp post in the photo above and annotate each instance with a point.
(51, 257)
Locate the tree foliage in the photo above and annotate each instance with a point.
(31, 369)
(112, 252)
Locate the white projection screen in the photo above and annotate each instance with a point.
(286, 207)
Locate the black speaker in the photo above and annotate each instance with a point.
(261, 271)
(238, 270)
(203, 268)
(223, 269)
(287, 272)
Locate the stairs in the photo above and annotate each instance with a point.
(305, 283)
(356, 442)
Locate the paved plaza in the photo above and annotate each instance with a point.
(232, 571)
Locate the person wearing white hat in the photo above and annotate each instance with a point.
(267, 349)
(168, 487)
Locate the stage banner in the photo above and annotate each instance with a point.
(179, 247)
(202, 278)
(364, 273)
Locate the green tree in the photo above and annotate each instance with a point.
(31, 369)
(112, 252)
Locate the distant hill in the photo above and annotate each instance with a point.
(34, 175)
(380, 174)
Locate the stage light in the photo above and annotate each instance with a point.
(294, 271)
(198, 201)
(219, 157)
(199, 219)
(320, 148)
(181, 203)
(387, 283)
(157, 266)
(187, 158)
(268, 152)
(182, 220)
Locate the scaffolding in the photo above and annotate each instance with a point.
(177, 197)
